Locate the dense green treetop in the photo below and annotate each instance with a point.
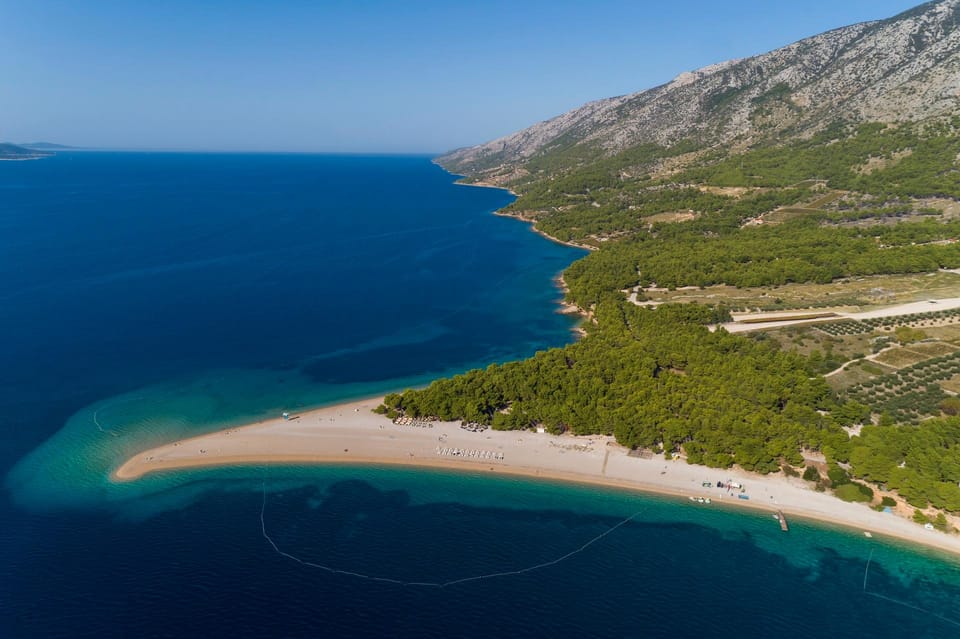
(658, 378)
(724, 398)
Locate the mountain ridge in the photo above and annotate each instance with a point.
(906, 67)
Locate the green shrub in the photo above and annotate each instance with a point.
(950, 406)
(837, 476)
(940, 523)
(811, 474)
(854, 492)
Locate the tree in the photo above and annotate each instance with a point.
(950, 405)
(906, 335)
(940, 522)
(837, 476)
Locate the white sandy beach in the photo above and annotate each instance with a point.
(352, 434)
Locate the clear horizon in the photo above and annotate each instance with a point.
(419, 78)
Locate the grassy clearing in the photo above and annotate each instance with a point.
(951, 385)
(949, 334)
(857, 373)
(900, 357)
(828, 198)
(932, 349)
(853, 294)
(950, 209)
(779, 216)
(674, 216)
(806, 339)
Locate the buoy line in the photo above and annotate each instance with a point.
(428, 584)
(866, 572)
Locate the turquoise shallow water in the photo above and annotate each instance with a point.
(158, 296)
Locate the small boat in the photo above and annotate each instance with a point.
(743, 496)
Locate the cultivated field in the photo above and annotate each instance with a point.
(849, 295)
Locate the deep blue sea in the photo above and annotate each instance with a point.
(145, 297)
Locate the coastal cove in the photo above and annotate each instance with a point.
(160, 296)
(281, 302)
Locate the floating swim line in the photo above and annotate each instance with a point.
(866, 572)
(429, 584)
(96, 421)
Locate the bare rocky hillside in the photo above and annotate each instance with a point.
(903, 68)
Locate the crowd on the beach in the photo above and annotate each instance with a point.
(583, 448)
(412, 421)
(470, 454)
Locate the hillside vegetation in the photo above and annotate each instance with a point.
(789, 206)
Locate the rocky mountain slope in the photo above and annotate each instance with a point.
(904, 68)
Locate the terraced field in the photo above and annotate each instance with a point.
(912, 392)
(899, 382)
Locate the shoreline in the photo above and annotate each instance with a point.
(350, 434)
(533, 227)
(484, 185)
(460, 177)
(487, 185)
(566, 308)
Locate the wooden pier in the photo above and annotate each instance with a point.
(783, 521)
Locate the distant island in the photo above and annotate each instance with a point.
(16, 152)
(45, 146)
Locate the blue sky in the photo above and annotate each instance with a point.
(358, 76)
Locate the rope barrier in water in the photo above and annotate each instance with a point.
(429, 584)
(866, 572)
